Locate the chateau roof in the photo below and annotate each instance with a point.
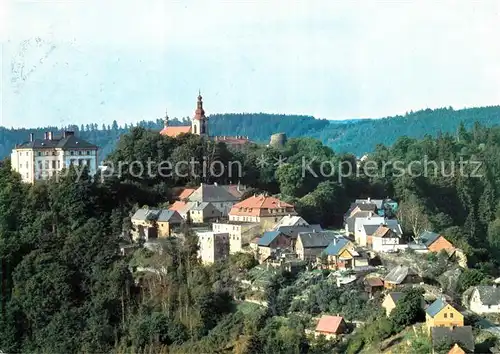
(67, 142)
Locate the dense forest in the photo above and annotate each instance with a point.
(341, 136)
(66, 288)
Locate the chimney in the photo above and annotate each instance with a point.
(45, 135)
(32, 136)
(68, 133)
(49, 135)
(368, 199)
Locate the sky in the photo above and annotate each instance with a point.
(79, 62)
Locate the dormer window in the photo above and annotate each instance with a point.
(71, 153)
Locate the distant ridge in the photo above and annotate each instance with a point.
(356, 136)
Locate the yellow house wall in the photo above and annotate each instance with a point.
(163, 229)
(440, 321)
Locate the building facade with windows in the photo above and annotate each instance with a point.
(40, 159)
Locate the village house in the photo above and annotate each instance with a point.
(293, 231)
(442, 314)
(152, 223)
(330, 326)
(263, 209)
(213, 247)
(240, 234)
(401, 275)
(351, 220)
(341, 254)
(309, 245)
(270, 242)
(460, 339)
(203, 212)
(484, 299)
(373, 285)
(434, 242)
(360, 236)
(360, 206)
(391, 299)
(222, 197)
(40, 159)
(384, 240)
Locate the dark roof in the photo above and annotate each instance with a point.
(489, 295)
(377, 202)
(268, 237)
(169, 215)
(212, 193)
(394, 225)
(370, 229)
(317, 239)
(396, 296)
(374, 281)
(451, 335)
(435, 307)
(336, 246)
(427, 237)
(69, 142)
(293, 231)
(398, 274)
(158, 215)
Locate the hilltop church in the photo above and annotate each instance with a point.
(199, 126)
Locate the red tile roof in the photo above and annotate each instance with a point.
(178, 205)
(174, 131)
(186, 193)
(252, 206)
(329, 324)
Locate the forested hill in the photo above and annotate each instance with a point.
(362, 136)
(354, 136)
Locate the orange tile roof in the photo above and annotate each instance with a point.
(186, 193)
(381, 231)
(456, 350)
(177, 206)
(254, 204)
(174, 131)
(329, 324)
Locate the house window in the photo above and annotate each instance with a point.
(451, 315)
(445, 315)
(71, 152)
(53, 164)
(79, 152)
(46, 153)
(88, 152)
(39, 165)
(53, 153)
(39, 153)
(58, 164)
(46, 165)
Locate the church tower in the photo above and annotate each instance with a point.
(199, 125)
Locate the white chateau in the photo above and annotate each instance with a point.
(39, 159)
